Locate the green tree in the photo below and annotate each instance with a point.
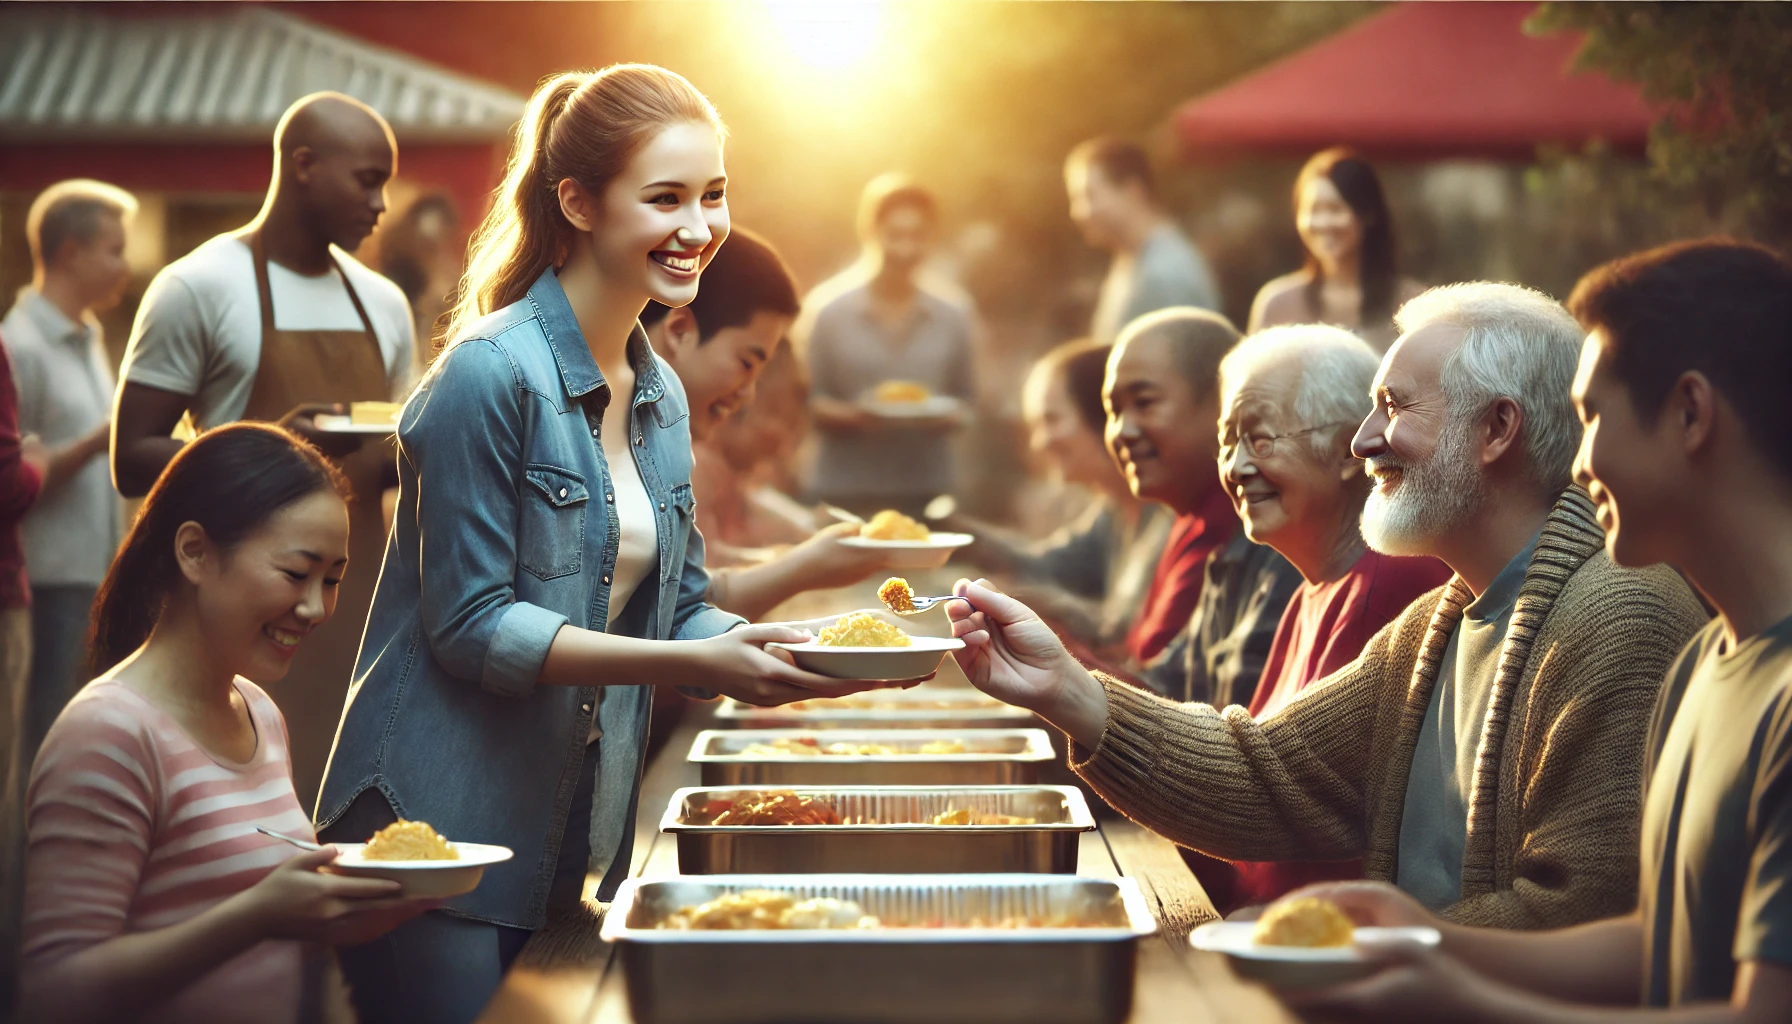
(1719, 74)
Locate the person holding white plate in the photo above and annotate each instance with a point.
(543, 552)
(150, 894)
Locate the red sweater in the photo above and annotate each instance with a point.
(1176, 585)
(19, 484)
(1323, 629)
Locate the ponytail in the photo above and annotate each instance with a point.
(230, 481)
(581, 125)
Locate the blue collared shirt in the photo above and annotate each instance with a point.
(505, 531)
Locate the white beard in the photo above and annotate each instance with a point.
(1432, 499)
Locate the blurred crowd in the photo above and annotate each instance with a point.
(1378, 483)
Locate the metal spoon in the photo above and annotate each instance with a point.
(300, 843)
(841, 514)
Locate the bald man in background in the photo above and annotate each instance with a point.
(276, 322)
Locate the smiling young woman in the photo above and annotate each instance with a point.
(543, 550)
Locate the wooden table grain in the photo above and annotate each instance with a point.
(567, 975)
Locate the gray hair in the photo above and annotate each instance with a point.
(1198, 340)
(71, 211)
(1519, 344)
(1337, 370)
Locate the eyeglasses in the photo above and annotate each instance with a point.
(1262, 446)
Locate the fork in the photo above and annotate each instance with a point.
(300, 843)
(921, 604)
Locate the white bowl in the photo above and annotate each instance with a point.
(1291, 967)
(888, 664)
(931, 553)
(437, 879)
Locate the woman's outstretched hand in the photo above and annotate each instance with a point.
(737, 663)
(1012, 655)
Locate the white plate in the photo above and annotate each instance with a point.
(931, 553)
(330, 423)
(433, 878)
(927, 408)
(1297, 966)
(888, 664)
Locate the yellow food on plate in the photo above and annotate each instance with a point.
(893, 525)
(1308, 921)
(962, 816)
(374, 412)
(897, 595)
(862, 629)
(768, 910)
(901, 391)
(408, 840)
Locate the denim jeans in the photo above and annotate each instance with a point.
(59, 614)
(438, 968)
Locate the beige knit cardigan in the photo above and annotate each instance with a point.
(1556, 805)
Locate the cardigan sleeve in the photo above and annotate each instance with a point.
(1291, 787)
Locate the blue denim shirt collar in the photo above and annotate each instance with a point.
(578, 371)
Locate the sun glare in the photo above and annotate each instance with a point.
(832, 35)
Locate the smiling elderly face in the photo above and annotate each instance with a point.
(1307, 489)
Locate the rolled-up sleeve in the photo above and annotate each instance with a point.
(462, 438)
(695, 618)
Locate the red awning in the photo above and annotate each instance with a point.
(1419, 80)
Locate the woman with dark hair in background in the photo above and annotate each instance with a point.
(1350, 279)
(150, 894)
(421, 253)
(1089, 579)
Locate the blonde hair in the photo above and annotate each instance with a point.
(582, 125)
(70, 211)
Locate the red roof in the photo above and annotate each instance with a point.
(1420, 80)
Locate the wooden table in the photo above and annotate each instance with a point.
(566, 975)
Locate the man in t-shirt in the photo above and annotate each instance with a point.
(276, 321)
(1113, 199)
(1688, 454)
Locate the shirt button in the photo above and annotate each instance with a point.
(662, 506)
(609, 497)
(594, 431)
(637, 440)
(585, 708)
(562, 492)
(606, 579)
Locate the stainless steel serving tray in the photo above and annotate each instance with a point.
(992, 757)
(936, 707)
(955, 972)
(901, 843)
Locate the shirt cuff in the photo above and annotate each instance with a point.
(1126, 756)
(518, 649)
(706, 622)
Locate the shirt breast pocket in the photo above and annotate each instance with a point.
(551, 527)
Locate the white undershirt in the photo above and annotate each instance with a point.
(637, 542)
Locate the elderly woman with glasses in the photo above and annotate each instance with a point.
(1290, 399)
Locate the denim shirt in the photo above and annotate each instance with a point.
(505, 531)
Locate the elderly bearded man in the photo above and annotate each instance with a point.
(1485, 751)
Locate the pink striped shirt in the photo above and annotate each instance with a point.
(132, 827)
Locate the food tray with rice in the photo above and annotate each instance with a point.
(908, 829)
(969, 947)
(937, 707)
(871, 757)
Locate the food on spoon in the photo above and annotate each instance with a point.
(768, 910)
(901, 392)
(963, 816)
(861, 629)
(893, 525)
(1308, 921)
(778, 807)
(408, 840)
(380, 413)
(897, 595)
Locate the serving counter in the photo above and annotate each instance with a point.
(567, 975)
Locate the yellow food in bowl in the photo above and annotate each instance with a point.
(897, 595)
(1308, 921)
(893, 525)
(374, 412)
(862, 630)
(901, 391)
(408, 840)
